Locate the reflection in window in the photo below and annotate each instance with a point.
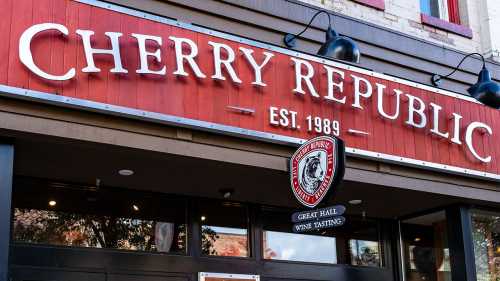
(435, 8)
(224, 229)
(447, 10)
(79, 230)
(426, 248)
(486, 236)
(107, 218)
(356, 242)
(365, 253)
(299, 247)
(224, 241)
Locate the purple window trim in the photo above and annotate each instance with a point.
(445, 25)
(377, 4)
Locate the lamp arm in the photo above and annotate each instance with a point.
(437, 78)
(310, 22)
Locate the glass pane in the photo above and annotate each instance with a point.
(426, 248)
(363, 247)
(106, 218)
(430, 7)
(486, 236)
(365, 253)
(224, 229)
(299, 247)
(336, 245)
(80, 230)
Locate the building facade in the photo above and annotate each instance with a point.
(151, 140)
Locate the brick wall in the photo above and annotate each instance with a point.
(481, 16)
(489, 18)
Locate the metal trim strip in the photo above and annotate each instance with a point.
(54, 99)
(203, 275)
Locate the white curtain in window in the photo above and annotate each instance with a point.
(443, 10)
(164, 236)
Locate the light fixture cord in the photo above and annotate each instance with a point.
(309, 24)
(463, 59)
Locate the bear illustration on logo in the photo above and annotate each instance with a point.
(312, 172)
(314, 167)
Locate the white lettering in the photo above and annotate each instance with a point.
(456, 129)
(90, 52)
(357, 90)
(306, 77)
(218, 62)
(331, 83)
(284, 117)
(273, 115)
(435, 121)
(144, 54)
(189, 58)
(412, 110)
(468, 139)
(257, 69)
(26, 56)
(380, 102)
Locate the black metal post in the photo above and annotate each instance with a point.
(6, 171)
(460, 242)
(194, 229)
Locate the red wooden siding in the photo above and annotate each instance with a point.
(207, 99)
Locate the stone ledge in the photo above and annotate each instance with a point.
(445, 25)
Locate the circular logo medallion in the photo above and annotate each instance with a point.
(313, 168)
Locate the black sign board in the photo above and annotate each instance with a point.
(318, 224)
(318, 214)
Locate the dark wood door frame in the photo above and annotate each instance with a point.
(461, 244)
(6, 171)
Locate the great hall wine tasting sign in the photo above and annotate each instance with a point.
(96, 56)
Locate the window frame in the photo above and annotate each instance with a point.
(479, 210)
(446, 26)
(443, 22)
(49, 184)
(377, 4)
(341, 243)
(249, 230)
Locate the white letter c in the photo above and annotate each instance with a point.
(26, 56)
(468, 139)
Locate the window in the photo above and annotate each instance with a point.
(361, 239)
(355, 243)
(78, 216)
(486, 237)
(443, 9)
(425, 245)
(299, 247)
(224, 229)
(365, 253)
(444, 15)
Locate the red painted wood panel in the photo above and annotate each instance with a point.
(209, 100)
(5, 26)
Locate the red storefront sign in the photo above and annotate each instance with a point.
(97, 56)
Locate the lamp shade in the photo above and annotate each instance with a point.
(339, 47)
(485, 90)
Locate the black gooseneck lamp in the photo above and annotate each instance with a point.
(485, 90)
(335, 46)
